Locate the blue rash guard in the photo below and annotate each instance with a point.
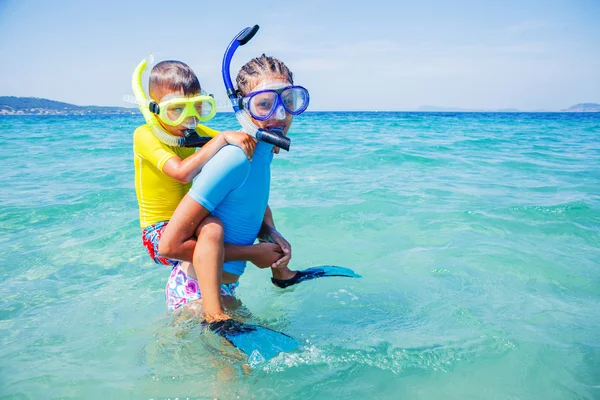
(237, 192)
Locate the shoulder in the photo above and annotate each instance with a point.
(233, 154)
(142, 134)
(224, 172)
(141, 130)
(230, 159)
(144, 141)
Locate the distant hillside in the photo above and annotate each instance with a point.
(454, 109)
(584, 107)
(10, 105)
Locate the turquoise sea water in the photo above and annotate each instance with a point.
(477, 235)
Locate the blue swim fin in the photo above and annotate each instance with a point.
(258, 343)
(315, 272)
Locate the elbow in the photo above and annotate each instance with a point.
(186, 179)
(179, 174)
(183, 178)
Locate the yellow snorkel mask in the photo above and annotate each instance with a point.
(174, 111)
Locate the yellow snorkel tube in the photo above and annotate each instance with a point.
(192, 139)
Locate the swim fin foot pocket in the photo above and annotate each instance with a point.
(313, 273)
(258, 343)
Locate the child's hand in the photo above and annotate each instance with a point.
(286, 248)
(242, 140)
(266, 254)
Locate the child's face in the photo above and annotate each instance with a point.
(160, 95)
(280, 118)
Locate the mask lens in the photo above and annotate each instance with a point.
(295, 99)
(261, 104)
(175, 111)
(204, 108)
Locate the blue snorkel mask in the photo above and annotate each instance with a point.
(273, 136)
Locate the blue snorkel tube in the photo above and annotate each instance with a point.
(272, 136)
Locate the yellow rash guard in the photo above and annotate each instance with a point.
(158, 194)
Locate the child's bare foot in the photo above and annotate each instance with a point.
(210, 318)
(283, 273)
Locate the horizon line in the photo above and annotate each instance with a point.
(442, 109)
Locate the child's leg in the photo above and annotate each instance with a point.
(208, 260)
(150, 237)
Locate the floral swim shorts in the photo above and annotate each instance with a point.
(150, 238)
(181, 288)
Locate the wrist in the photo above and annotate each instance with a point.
(266, 231)
(222, 140)
(250, 253)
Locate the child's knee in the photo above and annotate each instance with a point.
(211, 228)
(211, 219)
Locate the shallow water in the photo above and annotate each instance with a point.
(477, 235)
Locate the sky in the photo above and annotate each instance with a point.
(351, 55)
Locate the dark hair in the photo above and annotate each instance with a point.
(173, 76)
(263, 65)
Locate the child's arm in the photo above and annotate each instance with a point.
(269, 233)
(263, 255)
(185, 170)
